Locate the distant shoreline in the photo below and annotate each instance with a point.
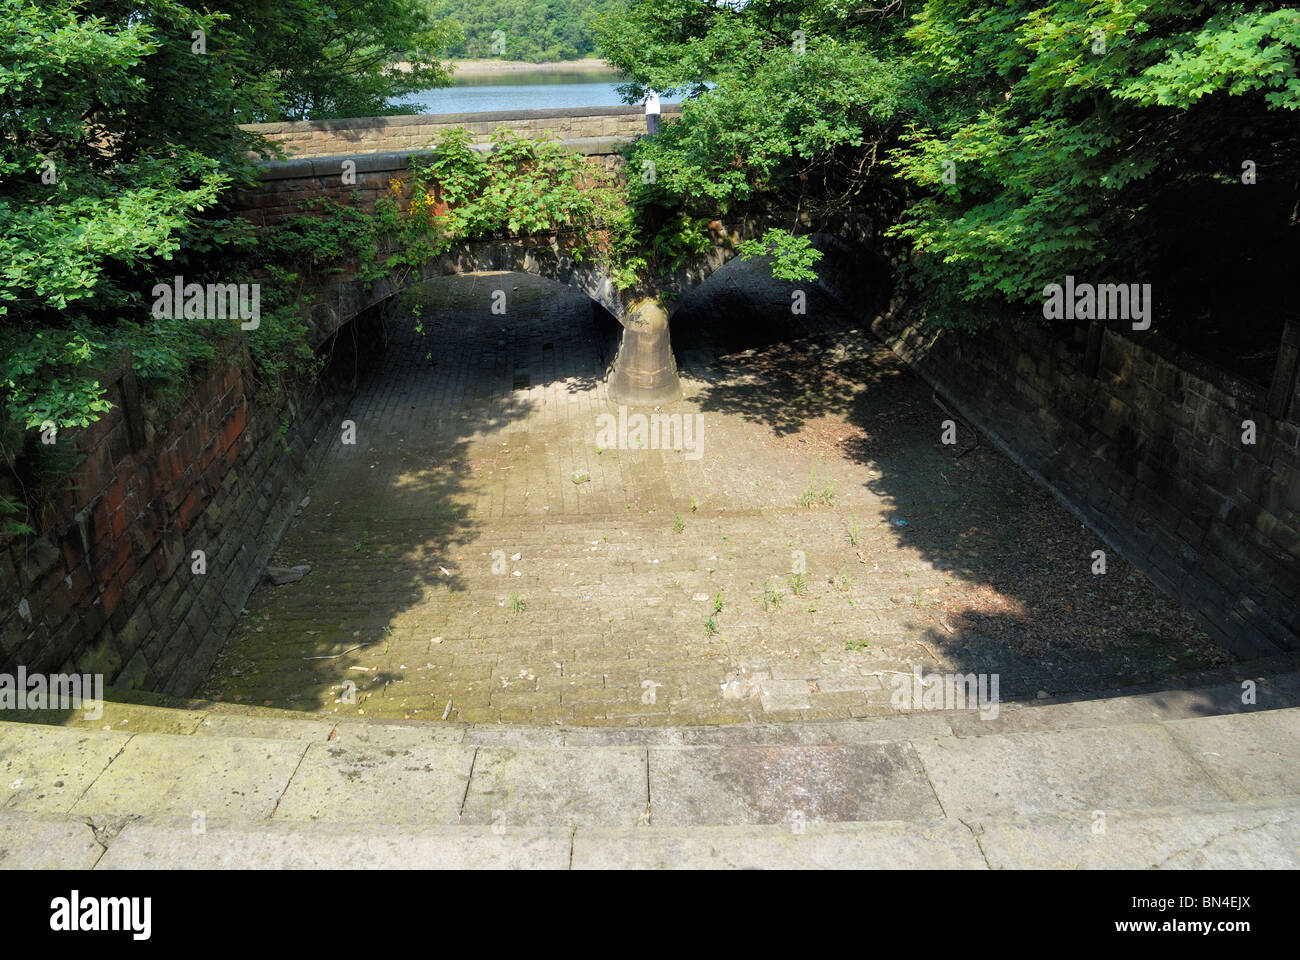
(489, 67)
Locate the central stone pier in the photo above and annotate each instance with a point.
(645, 372)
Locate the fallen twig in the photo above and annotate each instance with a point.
(335, 656)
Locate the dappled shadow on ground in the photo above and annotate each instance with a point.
(477, 555)
(1003, 578)
(388, 518)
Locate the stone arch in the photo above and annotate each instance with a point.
(644, 371)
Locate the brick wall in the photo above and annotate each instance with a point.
(1144, 444)
(108, 585)
(324, 138)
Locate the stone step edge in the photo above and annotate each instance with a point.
(1204, 693)
(1145, 710)
(1260, 834)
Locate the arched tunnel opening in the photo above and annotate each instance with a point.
(742, 306)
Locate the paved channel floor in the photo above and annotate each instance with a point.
(483, 553)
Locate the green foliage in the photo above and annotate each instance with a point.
(459, 193)
(535, 30)
(854, 532)
(792, 256)
(106, 182)
(1023, 140)
(1073, 128)
(118, 145)
(769, 117)
(40, 382)
(311, 60)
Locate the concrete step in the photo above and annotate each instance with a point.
(1264, 835)
(1183, 777)
(251, 768)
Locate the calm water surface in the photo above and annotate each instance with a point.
(523, 91)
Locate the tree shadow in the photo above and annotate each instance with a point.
(439, 424)
(984, 570)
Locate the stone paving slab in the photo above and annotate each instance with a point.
(1248, 756)
(504, 735)
(581, 787)
(387, 737)
(1084, 769)
(308, 729)
(48, 768)
(34, 843)
(781, 784)
(1161, 706)
(165, 775)
(901, 727)
(881, 845)
(378, 783)
(1220, 837)
(154, 844)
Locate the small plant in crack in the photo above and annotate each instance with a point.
(853, 531)
(770, 598)
(814, 493)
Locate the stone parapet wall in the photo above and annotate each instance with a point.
(286, 187)
(362, 135)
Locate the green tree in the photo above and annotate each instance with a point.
(786, 105)
(533, 30)
(114, 138)
(321, 59)
(1106, 139)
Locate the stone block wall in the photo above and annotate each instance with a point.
(1144, 444)
(108, 586)
(361, 135)
(284, 187)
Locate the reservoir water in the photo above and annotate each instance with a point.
(522, 90)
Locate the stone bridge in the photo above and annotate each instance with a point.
(643, 372)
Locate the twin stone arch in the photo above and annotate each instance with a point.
(644, 372)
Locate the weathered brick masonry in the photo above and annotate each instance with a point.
(1144, 444)
(108, 587)
(324, 138)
